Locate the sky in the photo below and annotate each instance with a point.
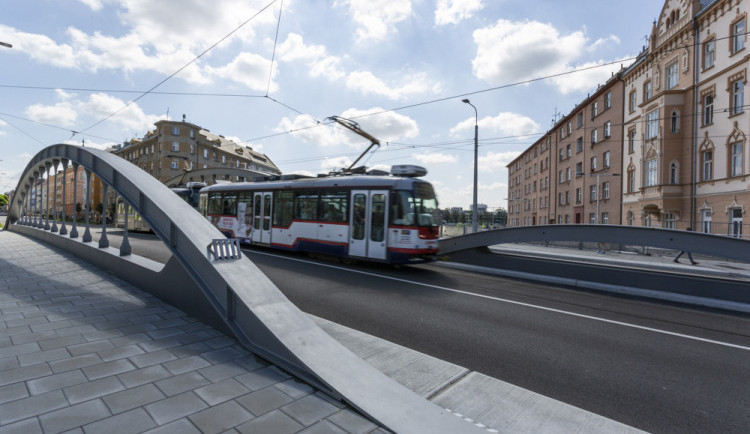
(269, 73)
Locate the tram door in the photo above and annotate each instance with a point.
(369, 218)
(262, 217)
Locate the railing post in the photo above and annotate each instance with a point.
(54, 199)
(63, 228)
(87, 233)
(125, 246)
(46, 198)
(38, 204)
(74, 230)
(103, 241)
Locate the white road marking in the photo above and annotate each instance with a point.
(518, 303)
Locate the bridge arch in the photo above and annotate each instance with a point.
(249, 304)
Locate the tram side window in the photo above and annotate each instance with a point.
(203, 204)
(333, 206)
(402, 208)
(306, 205)
(229, 204)
(282, 208)
(245, 206)
(214, 203)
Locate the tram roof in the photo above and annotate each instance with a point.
(398, 182)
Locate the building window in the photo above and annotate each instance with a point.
(675, 122)
(579, 144)
(223, 159)
(592, 191)
(672, 75)
(670, 221)
(175, 164)
(579, 195)
(632, 103)
(708, 165)
(631, 181)
(706, 221)
(605, 218)
(593, 164)
(606, 160)
(205, 153)
(631, 141)
(579, 169)
(738, 35)
(579, 120)
(651, 173)
(592, 218)
(192, 134)
(709, 50)
(608, 100)
(708, 110)
(735, 222)
(192, 149)
(567, 174)
(607, 129)
(175, 131)
(594, 110)
(630, 218)
(674, 171)
(652, 124)
(605, 190)
(562, 177)
(176, 146)
(562, 154)
(738, 96)
(647, 91)
(736, 159)
(594, 136)
(568, 152)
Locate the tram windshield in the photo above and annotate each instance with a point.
(415, 208)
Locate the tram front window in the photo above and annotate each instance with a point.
(417, 208)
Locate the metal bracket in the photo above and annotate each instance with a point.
(224, 248)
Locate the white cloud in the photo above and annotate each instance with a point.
(453, 11)
(332, 164)
(61, 114)
(591, 76)
(366, 83)
(509, 52)
(248, 69)
(95, 5)
(319, 63)
(377, 18)
(386, 126)
(435, 158)
(3, 124)
(494, 161)
(308, 130)
(510, 124)
(91, 144)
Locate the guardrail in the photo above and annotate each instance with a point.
(238, 293)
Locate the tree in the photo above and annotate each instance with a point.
(3, 200)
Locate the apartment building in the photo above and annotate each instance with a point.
(174, 148)
(571, 174)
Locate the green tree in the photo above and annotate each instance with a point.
(3, 200)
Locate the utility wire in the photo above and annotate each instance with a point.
(273, 54)
(182, 68)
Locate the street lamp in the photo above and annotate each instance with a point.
(476, 153)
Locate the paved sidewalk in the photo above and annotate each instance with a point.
(81, 350)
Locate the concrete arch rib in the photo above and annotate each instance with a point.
(252, 307)
(712, 245)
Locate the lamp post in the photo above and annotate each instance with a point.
(476, 154)
(598, 193)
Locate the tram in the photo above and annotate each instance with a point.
(189, 193)
(374, 215)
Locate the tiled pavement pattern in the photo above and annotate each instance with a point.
(83, 352)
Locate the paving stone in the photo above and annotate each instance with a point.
(295, 388)
(310, 409)
(186, 364)
(182, 426)
(28, 426)
(220, 418)
(323, 427)
(144, 375)
(8, 363)
(49, 344)
(352, 422)
(16, 350)
(75, 363)
(24, 373)
(55, 382)
(223, 355)
(221, 371)
(148, 359)
(120, 352)
(43, 356)
(131, 398)
(89, 347)
(29, 407)
(33, 337)
(181, 383)
(73, 416)
(261, 378)
(264, 400)
(223, 391)
(276, 422)
(131, 422)
(175, 407)
(93, 389)
(108, 368)
(12, 392)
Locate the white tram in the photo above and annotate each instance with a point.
(377, 217)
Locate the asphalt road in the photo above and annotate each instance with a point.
(659, 367)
